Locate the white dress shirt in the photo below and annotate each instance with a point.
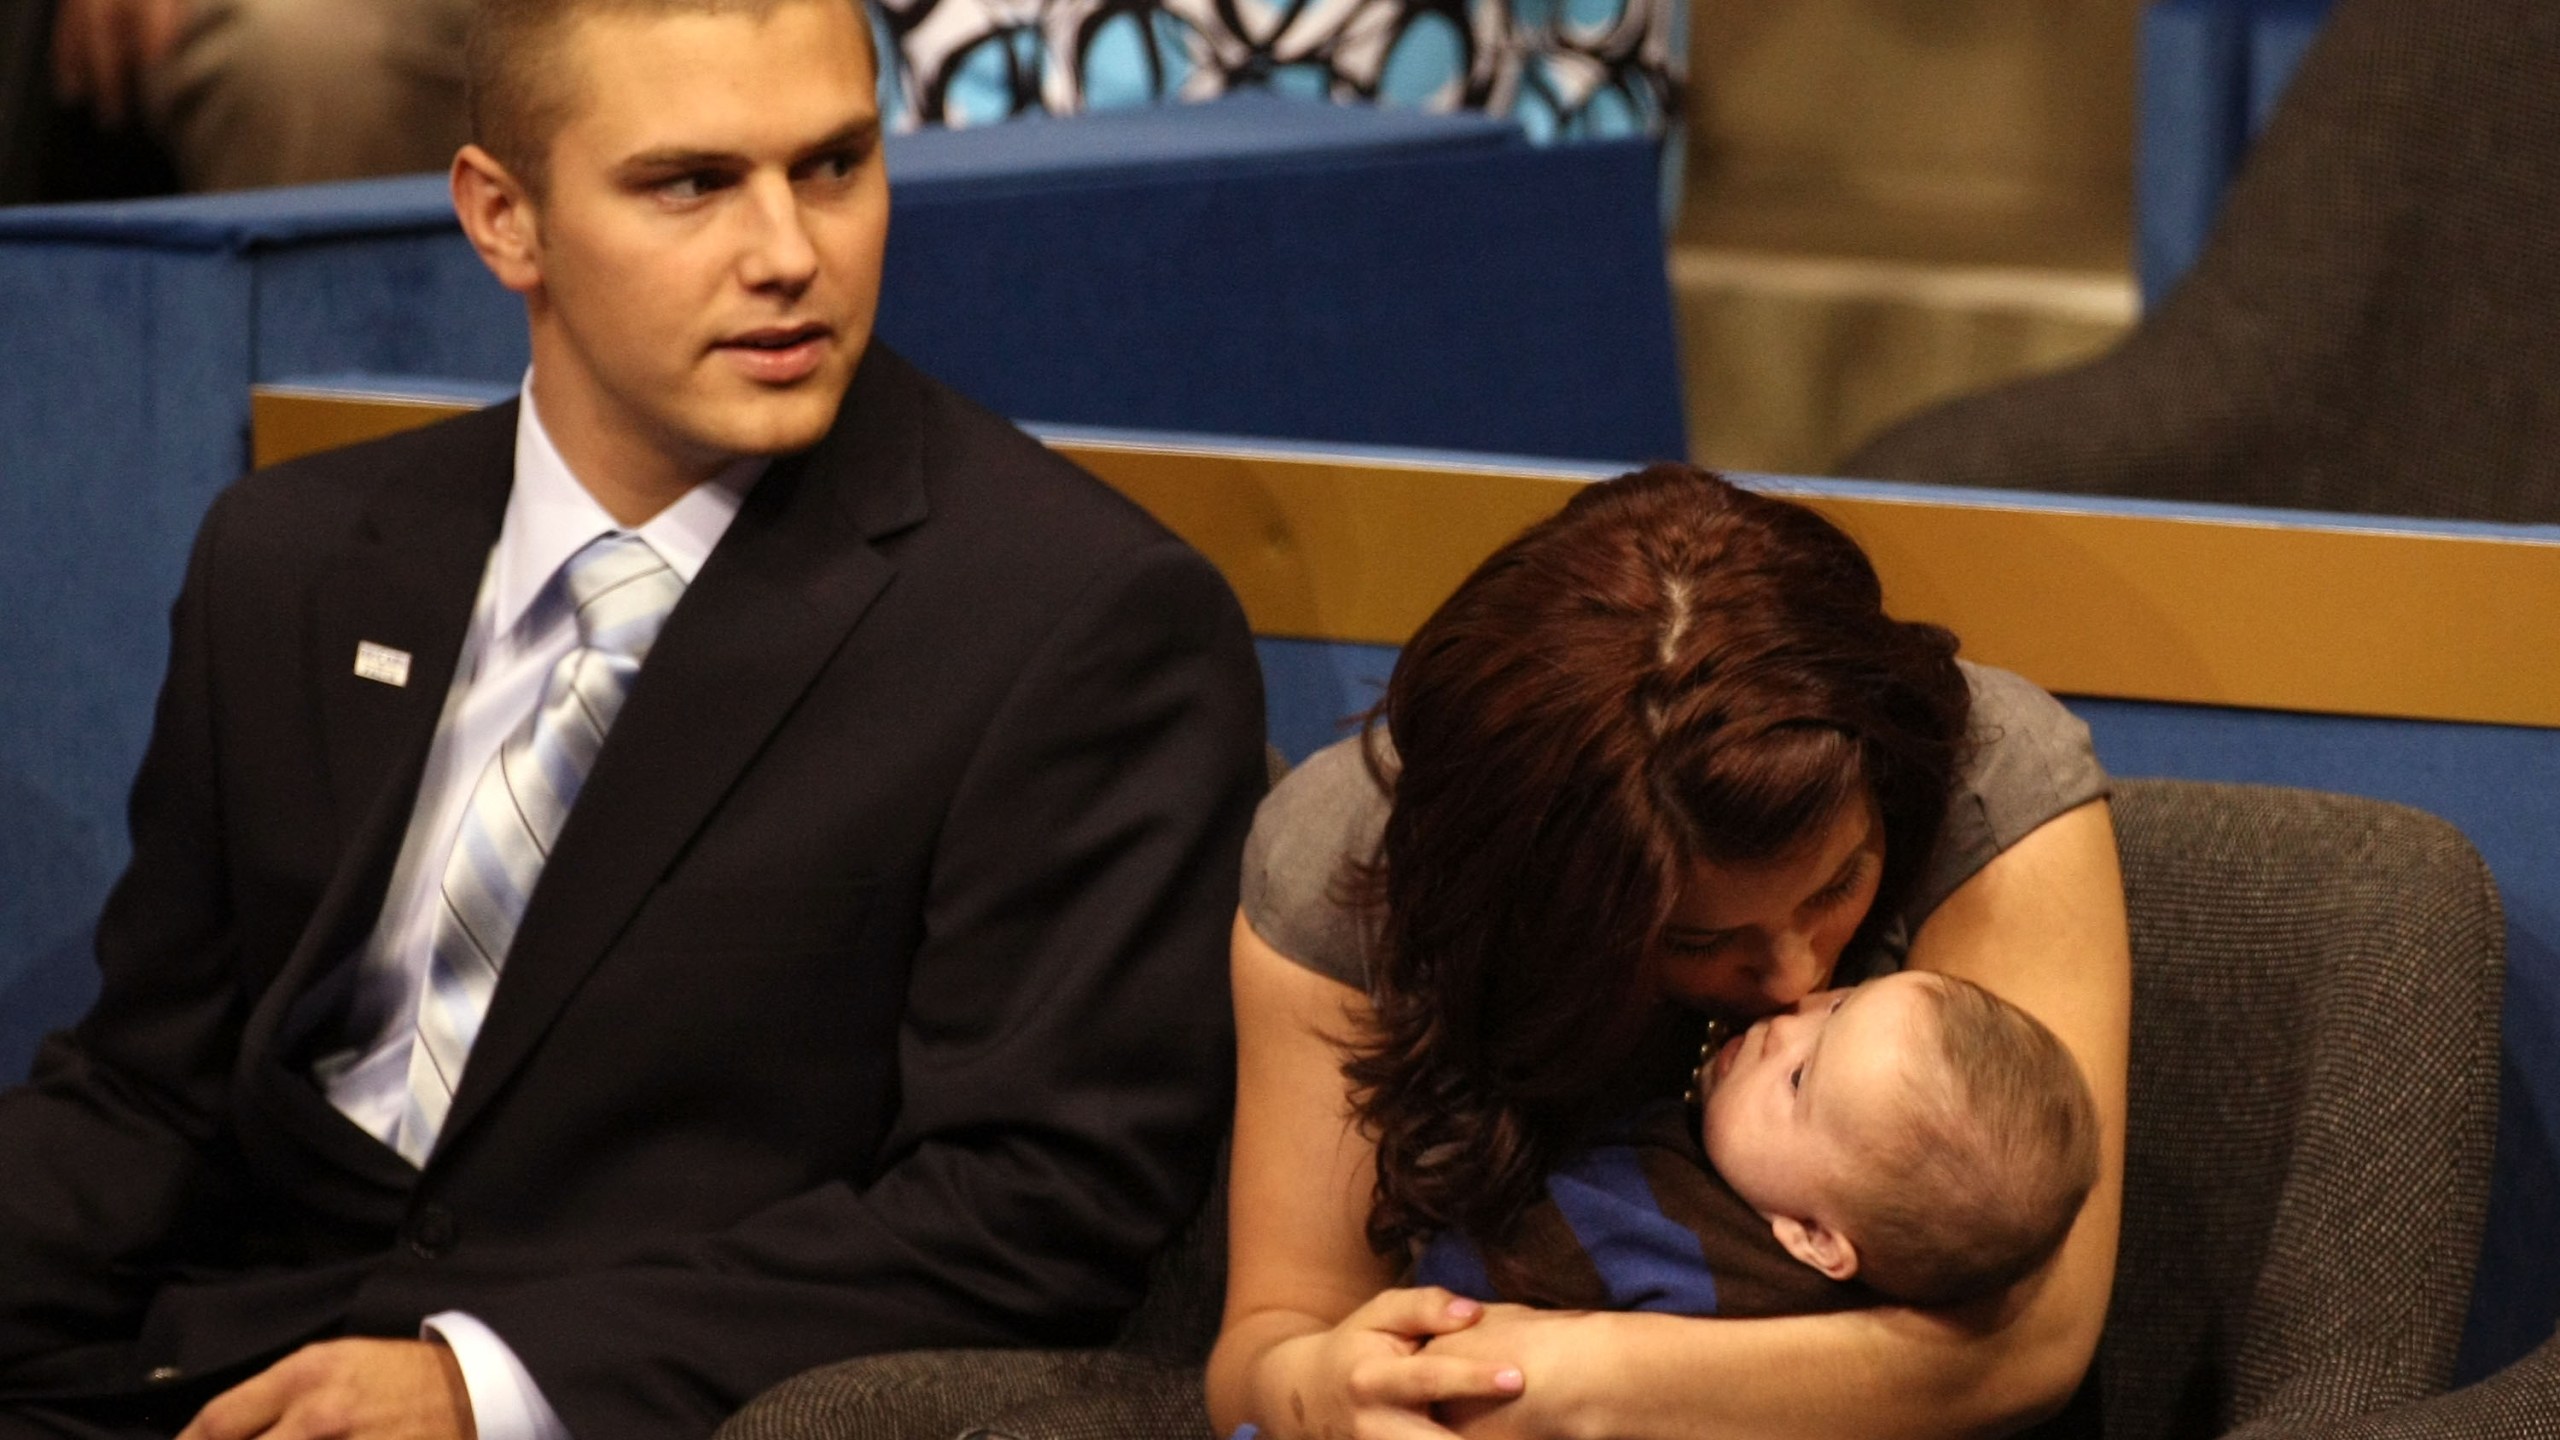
(506, 655)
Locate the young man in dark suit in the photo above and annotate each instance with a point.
(718, 866)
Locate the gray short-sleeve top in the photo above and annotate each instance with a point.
(2029, 761)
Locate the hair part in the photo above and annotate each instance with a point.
(1669, 670)
(1978, 1180)
(519, 90)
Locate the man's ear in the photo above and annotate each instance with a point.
(1817, 1245)
(497, 214)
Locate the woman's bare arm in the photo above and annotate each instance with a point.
(1314, 1341)
(2043, 926)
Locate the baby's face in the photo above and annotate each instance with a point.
(1790, 1103)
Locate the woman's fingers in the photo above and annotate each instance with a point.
(1417, 1381)
(1373, 1375)
(1398, 1425)
(1428, 1310)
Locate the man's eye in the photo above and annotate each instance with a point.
(690, 186)
(835, 165)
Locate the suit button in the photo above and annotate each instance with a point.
(164, 1375)
(433, 1232)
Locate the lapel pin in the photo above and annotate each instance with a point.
(382, 663)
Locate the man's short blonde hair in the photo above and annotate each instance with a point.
(516, 82)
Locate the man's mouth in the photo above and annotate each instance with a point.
(778, 354)
(779, 337)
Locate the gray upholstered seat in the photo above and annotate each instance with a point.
(2375, 323)
(2314, 1095)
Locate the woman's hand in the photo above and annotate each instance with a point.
(1370, 1377)
(1558, 1344)
(1316, 1346)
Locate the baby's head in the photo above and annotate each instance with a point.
(1916, 1132)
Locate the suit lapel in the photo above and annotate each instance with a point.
(789, 580)
(401, 596)
(405, 581)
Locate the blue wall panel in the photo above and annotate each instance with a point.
(1450, 327)
(414, 304)
(2210, 75)
(2191, 89)
(119, 427)
(1315, 691)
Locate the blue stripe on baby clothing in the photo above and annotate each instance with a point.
(1646, 1259)
(1452, 1262)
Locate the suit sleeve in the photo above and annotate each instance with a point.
(1065, 1058)
(105, 1149)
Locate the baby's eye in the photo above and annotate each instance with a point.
(1795, 1078)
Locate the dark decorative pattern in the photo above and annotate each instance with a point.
(1567, 69)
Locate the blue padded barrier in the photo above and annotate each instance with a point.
(2211, 72)
(1315, 691)
(1507, 300)
(1343, 273)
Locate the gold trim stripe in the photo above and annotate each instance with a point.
(2187, 610)
(288, 422)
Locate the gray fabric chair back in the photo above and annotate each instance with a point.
(2521, 1402)
(2313, 1106)
(2375, 324)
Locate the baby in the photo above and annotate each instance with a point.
(1914, 1139)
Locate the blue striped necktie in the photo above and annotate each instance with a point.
(622, 592)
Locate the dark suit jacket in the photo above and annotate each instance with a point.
(873, 996)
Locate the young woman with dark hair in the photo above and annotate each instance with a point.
(1661, 764)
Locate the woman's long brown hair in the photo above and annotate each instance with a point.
(1668, 670)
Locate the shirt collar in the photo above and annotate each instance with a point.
(551, 516)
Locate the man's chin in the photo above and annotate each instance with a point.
(773, 423)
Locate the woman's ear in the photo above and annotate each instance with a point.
(1817, 1245)
(497, 214)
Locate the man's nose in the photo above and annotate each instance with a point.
(779, 254)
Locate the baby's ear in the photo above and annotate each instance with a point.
(1817, 1245)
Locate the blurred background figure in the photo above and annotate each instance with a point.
(1890, 203)
(137, 95)
(2360, 316)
